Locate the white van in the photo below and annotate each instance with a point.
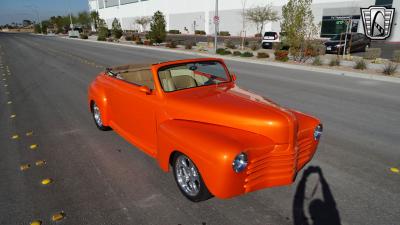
(270, 38)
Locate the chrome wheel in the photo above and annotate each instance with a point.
(97, 115)
(187, 176)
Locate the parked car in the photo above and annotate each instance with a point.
(269, 39)
(219, 139)
(355, 42)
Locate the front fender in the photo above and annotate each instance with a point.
(212, 148)
(97, 94)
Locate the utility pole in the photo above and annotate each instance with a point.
(216, 22)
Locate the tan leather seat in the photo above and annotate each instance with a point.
(139, 77)
(183, 82)
(166, 81)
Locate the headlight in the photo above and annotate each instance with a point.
(318, 132)
(240, 163)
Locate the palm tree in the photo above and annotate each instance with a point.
(94, 15)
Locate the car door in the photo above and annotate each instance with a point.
(133, 111)
(356, 42)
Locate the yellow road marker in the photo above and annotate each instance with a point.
(395, 170)
(47, 181)
(30, 133)
(24, 167)
(40, 163)
(33, 146)
(13, 116)
(36, 222)
(58, 216)
(15, 136)
(9, 102)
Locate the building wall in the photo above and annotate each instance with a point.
(181, 14)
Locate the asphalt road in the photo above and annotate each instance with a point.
(98, 178)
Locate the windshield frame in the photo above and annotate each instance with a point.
(228, 74)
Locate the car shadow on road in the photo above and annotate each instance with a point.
(321, 211)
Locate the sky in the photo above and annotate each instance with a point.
(18, 10)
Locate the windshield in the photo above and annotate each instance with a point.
(339, 37)
(191, 75)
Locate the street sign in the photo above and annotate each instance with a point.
(216, 19)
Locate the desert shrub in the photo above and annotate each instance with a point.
(246, 43)
(200, 32)
(83, 36)
(139, 42)
(314, 48)
(228, 52)
(148, 42)
(262, 55)
(396, 56)
(224, 33)
(237, 53)
(220, 51)
(171, 44)
(174, 32)
(317, 61)
(247, 54)
(360, 65)
(373, 53)
(335, 61)
(129, 37)
(254, 45)
(229, 44)
(188, 46)
(390, 68)
(281, 55)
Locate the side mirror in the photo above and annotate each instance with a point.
(233, 77)
(145, 90)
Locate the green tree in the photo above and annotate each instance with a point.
(103, 32)
(261, 15)
(157, 28)
(143, 22)
(94, 15)
(84, 19)
(298, 26)
(116, 30)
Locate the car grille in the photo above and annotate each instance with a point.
(270, 170)
(279, 166)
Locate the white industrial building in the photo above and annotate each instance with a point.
(190, 15)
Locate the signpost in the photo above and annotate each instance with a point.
(216, 23)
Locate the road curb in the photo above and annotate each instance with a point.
(267, 63)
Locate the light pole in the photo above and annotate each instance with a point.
(71, 25)
(216, 22)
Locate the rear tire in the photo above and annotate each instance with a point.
(188, 179)
(97, 118)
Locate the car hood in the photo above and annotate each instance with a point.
(231, 106)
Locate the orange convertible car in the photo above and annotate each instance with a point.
(219, 139)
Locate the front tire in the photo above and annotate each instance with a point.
(188, 179)
(97, 118)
